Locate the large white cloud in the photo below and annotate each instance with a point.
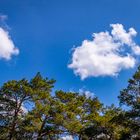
(7, 47)
(107, 54)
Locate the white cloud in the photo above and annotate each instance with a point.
(107, 54)
(87, 93)
(120, 34)
(7, 47)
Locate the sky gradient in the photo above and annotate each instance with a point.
(45, 32)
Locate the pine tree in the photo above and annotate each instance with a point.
(13, 96)
(130, 97)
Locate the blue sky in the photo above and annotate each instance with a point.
(45, 31)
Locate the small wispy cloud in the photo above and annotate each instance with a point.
(3, 17)
(87, 93)
(83, 91)
(107, 54)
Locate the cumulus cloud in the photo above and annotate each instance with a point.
(107, 54)
(7, 47)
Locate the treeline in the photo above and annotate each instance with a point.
(30, 111)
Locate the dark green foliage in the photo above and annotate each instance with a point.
(130, 97)
(105, 127)
(13, 95)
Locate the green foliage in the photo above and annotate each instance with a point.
(105, 126)
(13, 95)
(29, 110)
(130, 97)
(76, 111)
